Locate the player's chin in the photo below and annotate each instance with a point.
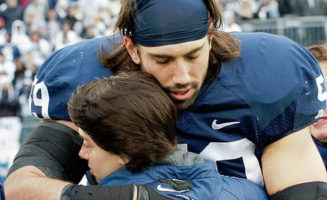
(182, 105)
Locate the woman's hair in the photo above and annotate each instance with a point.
(224, 45)
(319, 51)
(128, 115)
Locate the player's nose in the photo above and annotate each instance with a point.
(181, 73)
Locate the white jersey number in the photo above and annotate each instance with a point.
(322, 94)
(244, 148)
(43, 100)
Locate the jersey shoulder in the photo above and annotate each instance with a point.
(60, 75)
(279, 81)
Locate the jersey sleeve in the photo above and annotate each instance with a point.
(60, 75)
(281, 82)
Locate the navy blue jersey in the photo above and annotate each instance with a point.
(60, 75)
(207, 183)
(275, 88)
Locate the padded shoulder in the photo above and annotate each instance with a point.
(60, 75)
(280, 81)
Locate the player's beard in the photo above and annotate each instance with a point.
(181, 105)
(187, 103)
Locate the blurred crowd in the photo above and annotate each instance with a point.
(235, 11)
(30, 30)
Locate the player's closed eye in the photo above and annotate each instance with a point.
(191, 57)
(163, 62)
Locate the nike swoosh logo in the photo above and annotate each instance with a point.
(216, 126)
(163, 189)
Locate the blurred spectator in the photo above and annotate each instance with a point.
(89, 32)
(30, 68)
(39, 48)
(61, 8)
(7, 68)
(107, 14)
(229, 22)
(2, 31)
(35, 14)
(19, 72)
(19, 36)
(53, 24)
(8, 103)
(89, 10)
(110, 26)
(99, 25)
(23, 80)
(23, 95)
(65, 37)
(11, 12)
(61, 41)
(36, 11)
(9, 50)
(74, 17)
(247, 9)
(267, 9)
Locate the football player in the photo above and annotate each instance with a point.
(246, 100)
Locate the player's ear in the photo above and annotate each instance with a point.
(132, 50)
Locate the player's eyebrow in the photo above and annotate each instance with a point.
(194, 50)
(167, 56)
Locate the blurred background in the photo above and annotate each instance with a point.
(30, 30)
